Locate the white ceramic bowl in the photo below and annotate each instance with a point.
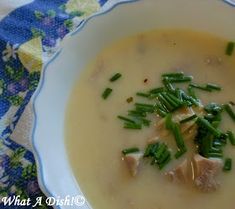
(55, 175)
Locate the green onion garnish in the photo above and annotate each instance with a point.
(168, 85)
(213, 108)
(132, 126)
(148, 150)
(213, 86)
(106, 93)
(126, 119)
(204, 88)
(163, 164)
(178, 74)
(215, 155)
(180, 152)
(205, 123)
(160, 112)
(191, 92)
(229, 110)
(178, 136)
(142, 94)
(168, 122)
(115, 77)
(231, 137)
(144, 121)
(227, 164)
(164, 156)
(157, 90)
(210, 140)
(144, 105)
(178, 79)
(163, 101)
(130, 150)
(161, 149)
(230, 48)
(136, 113)
(171, 100)
(188, 118)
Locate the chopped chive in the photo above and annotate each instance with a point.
(179, 79)
(175, 99)
(161, 112)
(227, 164)
(145, 109)
(152, 96)
(179, 94)
(178, 74)
(161, 106)
(115, 77)
(209, 117)
(204, 88)
(168, 85)
(157, 90)
(151, 149)
(213, 86)
(142, 94)
(132, 126)
(154, 148)
(191, 92)
(145, 122)
(215, 150)
(223, 138)
(213, 108)
(161, 149)
(106, 93)
(165, 102)
(229, 110)
(164, 156)
(170, 100)
(180, 152)
(189, 118)
(215, 155)
(178, 136)
(130, 150)
(163, 164)
(126, 119)
(136, 113)
(147, 151)
(205, 123)
(215, 124)
(217, 144)
(190, 99)
(231, 137)
(168, 122)
(144, 105)
(230, 48)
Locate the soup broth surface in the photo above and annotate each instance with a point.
(95, 137)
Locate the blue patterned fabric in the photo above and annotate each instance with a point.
(29, 37)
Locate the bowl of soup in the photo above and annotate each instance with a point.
(137, 111)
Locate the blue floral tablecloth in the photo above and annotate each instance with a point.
(30, 34)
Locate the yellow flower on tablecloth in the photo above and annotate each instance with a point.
(30, 54)
(87, 7)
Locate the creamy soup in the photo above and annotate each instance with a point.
(95, 137)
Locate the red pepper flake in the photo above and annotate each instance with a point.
(129, 100)
(145, 80)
